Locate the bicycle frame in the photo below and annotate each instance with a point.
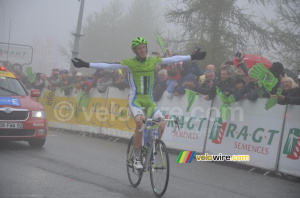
(153, 127)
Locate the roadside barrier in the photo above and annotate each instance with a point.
(271, 138)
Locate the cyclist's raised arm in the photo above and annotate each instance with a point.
(196, 55)
(175, 59)
(108, 66)
(80, 63)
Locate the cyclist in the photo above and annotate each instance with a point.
(141, 79)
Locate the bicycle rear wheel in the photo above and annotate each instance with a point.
(134, 175)
(159, 170)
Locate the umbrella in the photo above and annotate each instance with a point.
(250, 60)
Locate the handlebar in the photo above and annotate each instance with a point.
(158, 120)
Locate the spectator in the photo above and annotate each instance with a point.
(213, 68)
(290, 91)
(120, 80)
(197, 71)
(24, 79)
(54, 80)
(201, 80)
(101, 79)
(187, 80)
(62, 76)
(278, 71)
(242, 72)
(17, 69)
(242, 68)
(172, 79)
(160, 85)
(228, 64)
(86, 84)
(45, 80)
(239, 84)
(157, 69)
(68, 83)
(74, 72)
(225, 84)
(38, 83)
(208, 84)
(250, 91)
(6, 64)
(78, 78)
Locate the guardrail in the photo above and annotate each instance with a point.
(271, 138)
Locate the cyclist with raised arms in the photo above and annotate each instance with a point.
(141, 79)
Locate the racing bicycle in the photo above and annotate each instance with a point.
(154, 156)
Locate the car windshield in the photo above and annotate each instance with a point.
(11, 87)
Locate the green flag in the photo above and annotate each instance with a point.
(82, 100)
(273, 101)
(85, 100)
(30, 74)
(226, 104)
(61, 89)
(265, 77)
(122, 113)
(191, 96)
(161, 44)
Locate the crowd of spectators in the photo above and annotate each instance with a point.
(174, 79)
(67, 82)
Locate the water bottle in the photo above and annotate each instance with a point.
(156, 133)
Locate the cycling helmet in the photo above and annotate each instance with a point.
(137, 41)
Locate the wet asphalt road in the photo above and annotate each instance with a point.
(76, 166)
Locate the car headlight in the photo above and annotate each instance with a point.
(38, 114)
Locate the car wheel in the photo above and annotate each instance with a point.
(38, 143)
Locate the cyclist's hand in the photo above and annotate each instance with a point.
(80, 63)
(197, 54)
(158, 119)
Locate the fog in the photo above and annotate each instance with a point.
(46, 25)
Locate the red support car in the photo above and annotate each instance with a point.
(21, 117)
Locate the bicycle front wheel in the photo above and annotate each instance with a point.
(134, 175)
(159, 170)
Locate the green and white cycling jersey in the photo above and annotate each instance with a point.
(141, 80)
(141, 76)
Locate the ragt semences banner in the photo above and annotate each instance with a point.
(290, 149)
(249, 130)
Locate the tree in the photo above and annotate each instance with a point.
(220, 27)
(143, 19)
(100, 33)
(108, 34)
(286, 32)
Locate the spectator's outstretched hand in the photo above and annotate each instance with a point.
(80, 63)
(197, 54)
